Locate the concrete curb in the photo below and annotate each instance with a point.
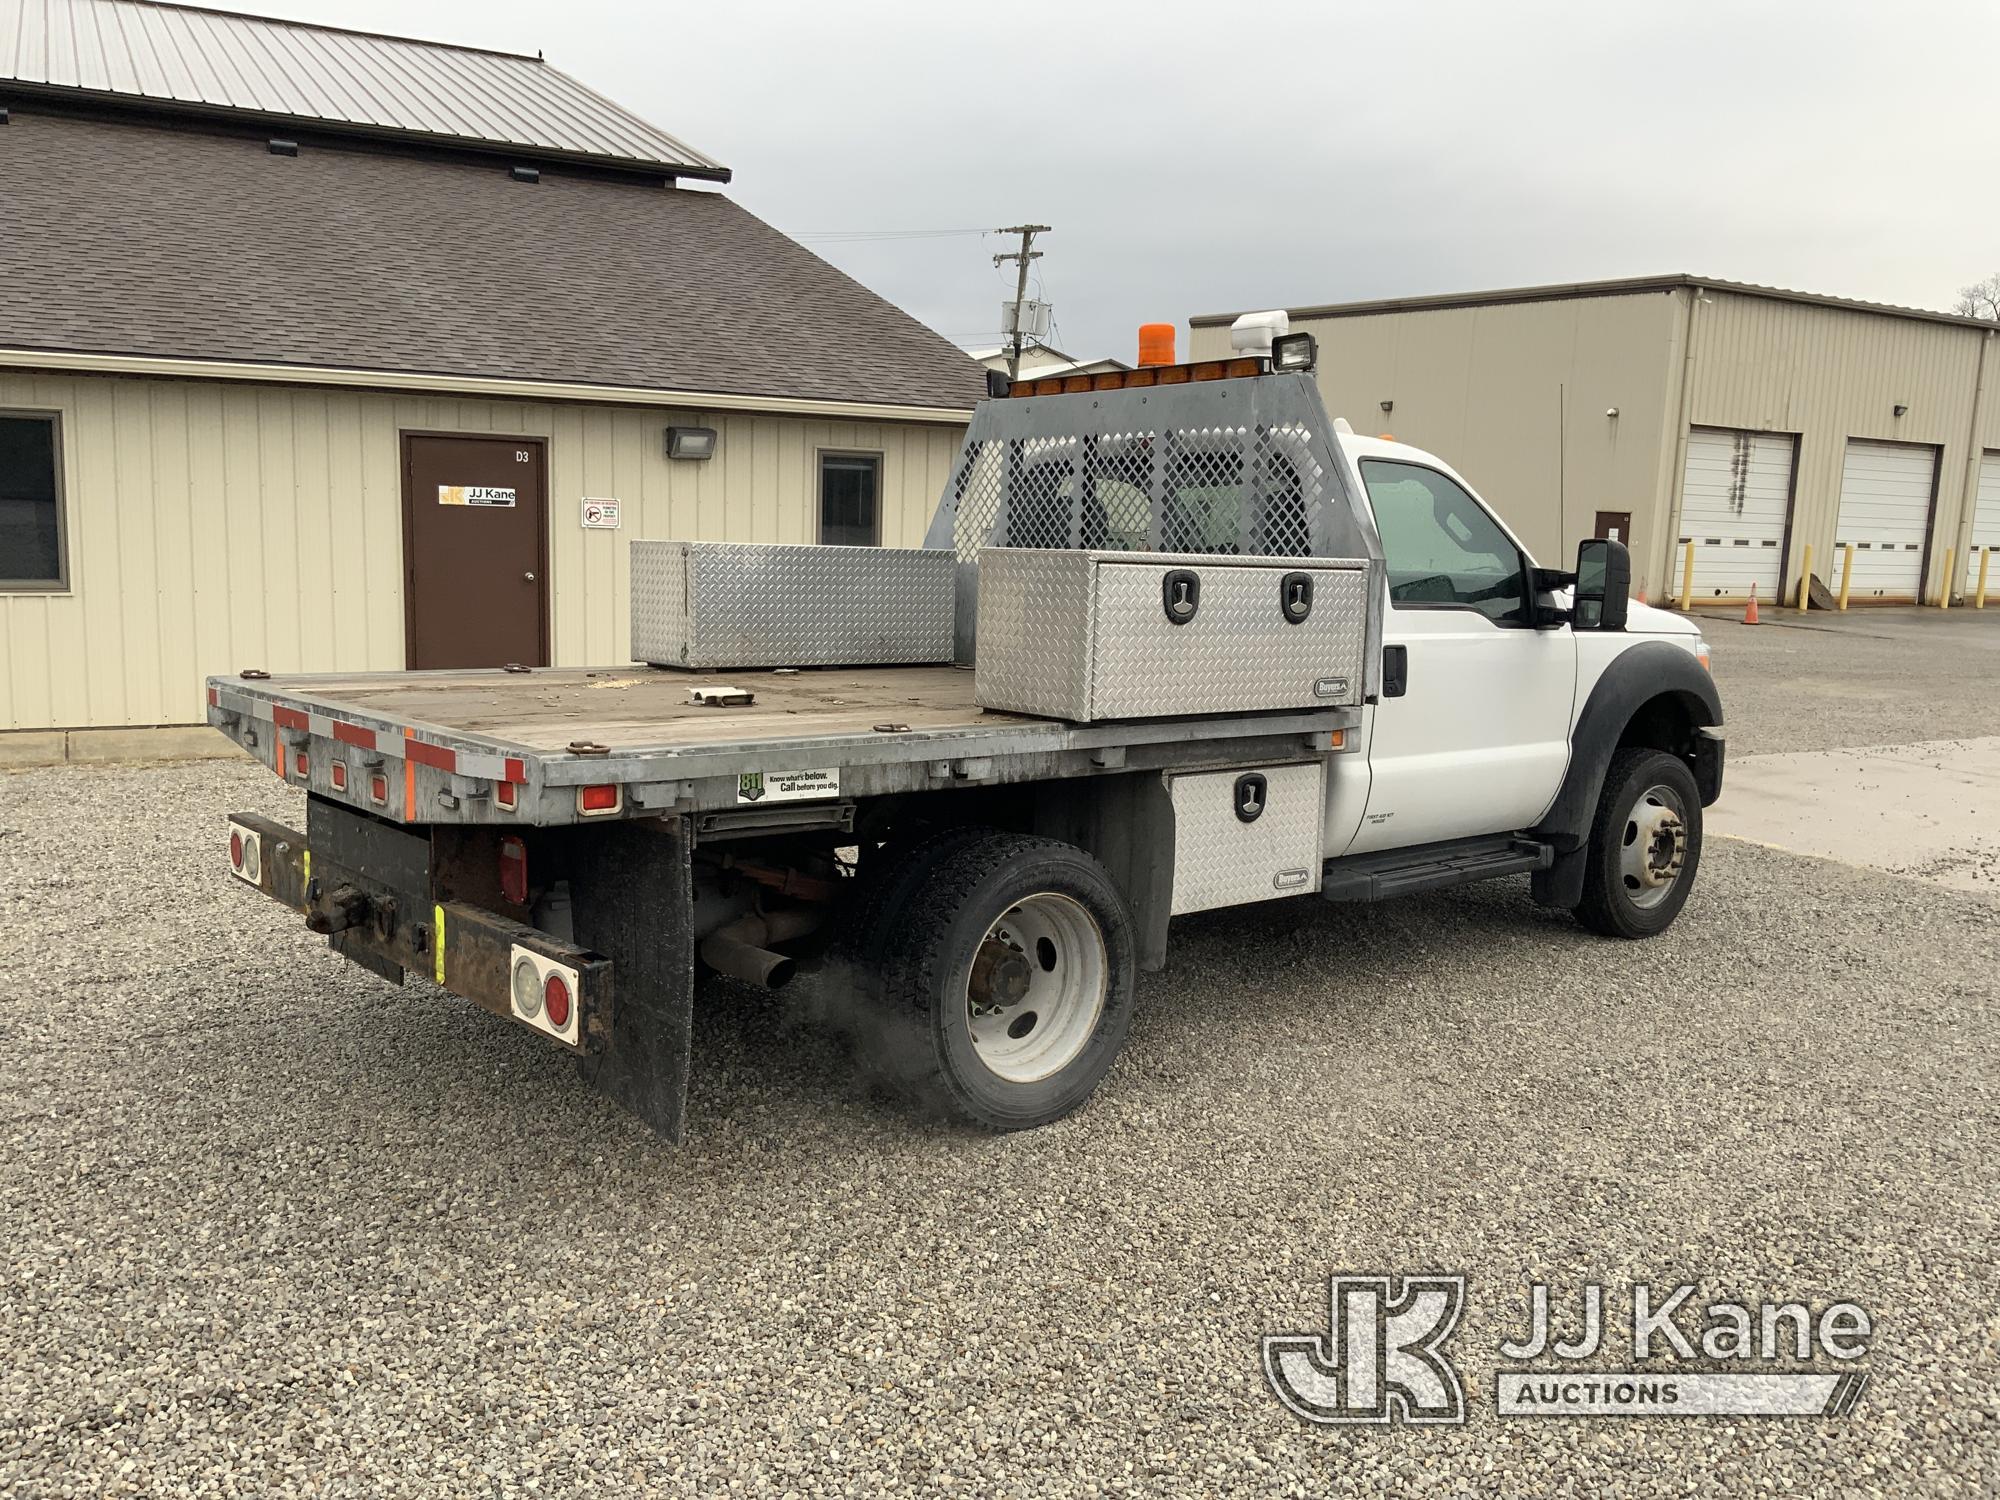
(21, 749)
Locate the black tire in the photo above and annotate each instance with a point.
(1614, 901)
(918, 1027)
(901, 869)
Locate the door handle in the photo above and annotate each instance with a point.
(529, 576)
(1395, 671)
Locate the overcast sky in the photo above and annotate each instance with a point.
(1235, 154)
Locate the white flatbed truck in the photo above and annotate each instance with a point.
(575, 849)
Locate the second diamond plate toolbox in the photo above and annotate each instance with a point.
(1135, 635)
(729, 604)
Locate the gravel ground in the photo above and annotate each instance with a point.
(271, 1226)
(1867, 677)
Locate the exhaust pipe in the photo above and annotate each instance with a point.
(746, 961)
(737, 947)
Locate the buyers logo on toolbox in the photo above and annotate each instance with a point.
(787, 786)
(1382, 1358)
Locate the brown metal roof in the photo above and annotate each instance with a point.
(135, 239)
(189, 60)
(1566, 291)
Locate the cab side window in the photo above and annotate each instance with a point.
(1442, 549)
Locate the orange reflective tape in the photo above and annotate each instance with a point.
(409, 777)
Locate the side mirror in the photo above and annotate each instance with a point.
(1603, 585)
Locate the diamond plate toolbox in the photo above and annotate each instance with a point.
(1242, 836)
(728, 604)
(1136, 635)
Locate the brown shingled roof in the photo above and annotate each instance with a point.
(140, 239)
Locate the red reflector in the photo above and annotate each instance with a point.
(301, 764)
(555, 1001)
(514, 871)
(597, 798)
(378, 788)
(235, 849)
(214, 698)
(440, 757)
(289, 718)
(506, 796)
(340, 776)
(354, 734)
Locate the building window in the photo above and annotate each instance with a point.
(31, 529)
(850, 499)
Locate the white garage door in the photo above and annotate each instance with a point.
(1885, 511)
(1986, 526)
(1736, 494)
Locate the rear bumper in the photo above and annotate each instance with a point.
(389, 929)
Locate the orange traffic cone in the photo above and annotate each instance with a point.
(1750, 613)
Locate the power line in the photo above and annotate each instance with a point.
(850, 236)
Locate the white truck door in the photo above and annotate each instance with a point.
(1478, 740)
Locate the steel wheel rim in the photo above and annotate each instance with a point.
(1036, 988)
(1652, 848)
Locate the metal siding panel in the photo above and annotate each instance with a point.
(1489, 388)
(207, 521)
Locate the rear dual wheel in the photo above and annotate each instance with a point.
(1000, 984)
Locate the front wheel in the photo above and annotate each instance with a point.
(1645, 846)
(1004, 990)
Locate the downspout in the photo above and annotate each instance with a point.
(1974, 453)
(1677, 479)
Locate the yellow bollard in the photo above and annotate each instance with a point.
(1950, 567)
(1979, 599)
(1687, 574)
(1805, 580)
(1846, 571)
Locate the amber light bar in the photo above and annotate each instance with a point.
(1124, 380)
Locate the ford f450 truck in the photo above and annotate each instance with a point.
(979, 884)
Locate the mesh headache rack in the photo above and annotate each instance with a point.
(1228, 464)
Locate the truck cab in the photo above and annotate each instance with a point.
(1487, 676)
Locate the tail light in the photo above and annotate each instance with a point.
(514, 871)
(378, 788)
(301, 763)
(506, 796)
(555, 1000)
(544, 994)
(246, 854)
(596, 801)
(339, 775)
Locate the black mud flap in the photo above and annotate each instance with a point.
(631, 899)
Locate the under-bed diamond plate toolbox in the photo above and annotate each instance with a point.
(1136, 635)
(730, 604)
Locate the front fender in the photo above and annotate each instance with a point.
(1645, 676)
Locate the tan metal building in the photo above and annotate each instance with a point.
(1750, 421)
(323, 350)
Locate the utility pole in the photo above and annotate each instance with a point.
(1026, 253)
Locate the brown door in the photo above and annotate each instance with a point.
(475, 551)
(1614, 526)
